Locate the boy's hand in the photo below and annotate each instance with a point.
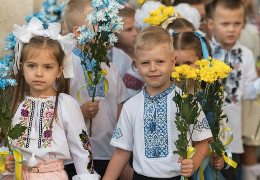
(10, 163)
(217, 162)
(187, 167)
(90, 109)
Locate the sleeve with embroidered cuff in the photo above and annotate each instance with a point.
(201, 131)
(77, 137)
(123, 136)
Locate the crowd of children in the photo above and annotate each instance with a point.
(132, 122)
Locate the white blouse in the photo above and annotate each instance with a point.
(68, 140)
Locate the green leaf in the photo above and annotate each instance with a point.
(16, 131)
(217, 147)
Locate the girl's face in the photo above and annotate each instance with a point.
(127, 36)
(188, 57)
(40, 73)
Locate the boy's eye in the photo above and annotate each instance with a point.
(160, 61)
(144, 63)
(129, 29)
(48, 67)
(188, 63)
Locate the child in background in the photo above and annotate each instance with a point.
(153, 107)
(126, 39)
(227, 20)
(106, 108)
(53, 134)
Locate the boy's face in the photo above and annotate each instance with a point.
(155, 67)
(227, 25)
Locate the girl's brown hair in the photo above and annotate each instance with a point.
(189, 41)
(180, 25)
(32, 49)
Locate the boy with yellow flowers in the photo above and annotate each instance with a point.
(147, 126)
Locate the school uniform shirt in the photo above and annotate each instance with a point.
(68, 139)
(105, 121)
(146, 126)
(239, 84)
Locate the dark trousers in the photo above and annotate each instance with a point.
(71, 171)
(100, 167)
(141, 177)
(232, 173)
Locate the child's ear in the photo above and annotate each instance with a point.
(60, 72)
(135, 63)
(210, 24)
(76, 31)
(173, 61)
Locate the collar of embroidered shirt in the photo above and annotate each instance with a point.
(160, 95)
(218, 45)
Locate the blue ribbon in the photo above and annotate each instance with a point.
(204, 46)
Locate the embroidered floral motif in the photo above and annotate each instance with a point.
(26, 119)
(86, 145)
(155, 124)
(132, 82)
(46, 115)
(233, 59)
(202, 125)
(117, 133)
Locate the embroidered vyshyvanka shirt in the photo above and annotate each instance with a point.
(68, 139)
(104, 123)
(238, 85)
(146, 126)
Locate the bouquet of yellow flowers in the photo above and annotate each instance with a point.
(209, 72)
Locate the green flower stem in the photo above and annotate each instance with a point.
(217, 176)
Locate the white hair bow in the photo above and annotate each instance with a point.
(35, 28)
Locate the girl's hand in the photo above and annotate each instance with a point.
(10, 163)
(217, 162)
(187, 167)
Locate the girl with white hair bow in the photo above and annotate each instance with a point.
(55, 127)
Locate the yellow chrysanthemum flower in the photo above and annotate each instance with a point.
(184, 95)
(141, 1)
(159, 15)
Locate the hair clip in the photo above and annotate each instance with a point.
(172, 32)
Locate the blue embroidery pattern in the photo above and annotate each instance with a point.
(117, 133)
(100, 89)
(155, 124)
(202, 125)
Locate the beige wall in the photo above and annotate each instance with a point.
(14, 12)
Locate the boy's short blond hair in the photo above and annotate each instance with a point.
(153, 36)
(76, 13)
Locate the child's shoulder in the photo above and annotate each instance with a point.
(134, 101)
(65, 99)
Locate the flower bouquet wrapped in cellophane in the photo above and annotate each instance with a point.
(103, 24)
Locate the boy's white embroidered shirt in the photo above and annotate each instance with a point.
(104, 123)
(35, 114)
(146, 126)
(239, 84)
